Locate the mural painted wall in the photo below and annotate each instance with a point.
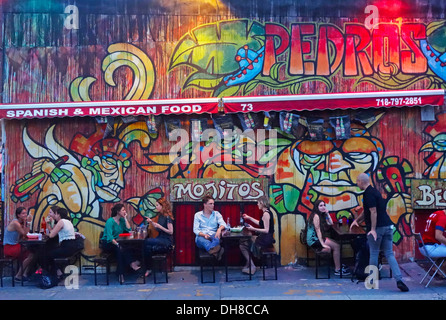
(87, 166)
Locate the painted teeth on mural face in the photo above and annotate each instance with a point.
(335, 190)
(110, 191)
(331, 184)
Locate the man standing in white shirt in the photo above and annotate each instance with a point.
(208, 225)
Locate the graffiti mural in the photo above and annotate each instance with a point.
(391, 56)
(120, 55)
(81, 176)
(87, 166)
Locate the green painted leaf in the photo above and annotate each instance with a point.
(203, 81)
(291, 196)
(275, 142)
(274, 72)
(270, 154)
(224, 91)
(211, 48)
(250, 86)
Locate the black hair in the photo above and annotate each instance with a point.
(54, 208)
(19, 211)
(322, 221)
(63, 213)
(116, 209)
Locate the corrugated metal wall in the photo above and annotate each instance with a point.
(41, 61)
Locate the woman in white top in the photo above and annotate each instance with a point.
(67, 239)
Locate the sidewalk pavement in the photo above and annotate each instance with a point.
(294, 283)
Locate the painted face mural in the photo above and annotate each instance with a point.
(328, 169)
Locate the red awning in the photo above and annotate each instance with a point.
(109, 108)
(332, 101)
(231, 104)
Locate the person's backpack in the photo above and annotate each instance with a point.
(362, 255)
(47, 280)
(79, 240)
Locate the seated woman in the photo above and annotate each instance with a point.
(17, 229)
(50, 222)
(164, 226)
(265, 237)
(114, 226)
(67, 240)
(318, 224)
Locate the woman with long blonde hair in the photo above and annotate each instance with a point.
(264, 237)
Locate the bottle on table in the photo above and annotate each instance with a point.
(43, 226)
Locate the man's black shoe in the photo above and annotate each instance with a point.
(400, 284)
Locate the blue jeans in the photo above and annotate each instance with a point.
(153, 244)
(384, 243)
(207, 245)
(434, 250)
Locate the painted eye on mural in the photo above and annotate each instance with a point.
(108, 166)
(358, 157)
(358, 132)
(440, 142)
(109, 161)
(108, 175)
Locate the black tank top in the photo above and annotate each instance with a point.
(271, 222)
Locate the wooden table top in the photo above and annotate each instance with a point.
(344, 230)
